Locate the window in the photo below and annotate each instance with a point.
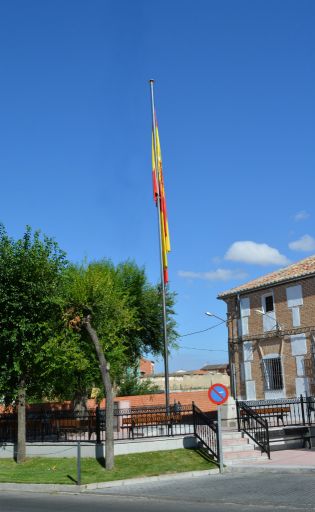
(272, 370)
(269, 313)
(268, 303)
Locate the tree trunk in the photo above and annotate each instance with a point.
(107, 383)
(21, 435)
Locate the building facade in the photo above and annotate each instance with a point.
(192, 380)
(271, 334)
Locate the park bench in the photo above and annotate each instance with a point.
(73, 426)
(137, 421)
(268, 412)
(292, 433)
(300, 432)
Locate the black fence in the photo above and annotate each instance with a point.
(280, 412)
(206, 430)
(133, 423)
(267, 421)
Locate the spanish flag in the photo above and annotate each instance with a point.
(159, 191)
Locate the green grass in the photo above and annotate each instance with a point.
(42, 470)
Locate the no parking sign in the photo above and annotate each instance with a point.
(218, 394)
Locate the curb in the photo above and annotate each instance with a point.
(76, 489)
(276, 468)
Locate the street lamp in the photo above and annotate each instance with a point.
(208, 313)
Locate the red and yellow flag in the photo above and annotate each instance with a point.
(159, 190)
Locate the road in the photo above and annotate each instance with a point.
(261, 492)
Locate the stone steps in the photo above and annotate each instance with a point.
(238, 448)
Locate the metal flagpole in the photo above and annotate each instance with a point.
(166, 372)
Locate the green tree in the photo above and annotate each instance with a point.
(119, 312)
(31, 270)
(130, 384)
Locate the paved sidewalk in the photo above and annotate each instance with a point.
(297, 457)
(286, 461)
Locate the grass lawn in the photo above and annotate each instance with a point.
(42, 470)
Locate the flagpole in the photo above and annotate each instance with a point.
(165, 343)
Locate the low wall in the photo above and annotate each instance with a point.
(7, 450)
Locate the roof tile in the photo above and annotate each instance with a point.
(302, 268)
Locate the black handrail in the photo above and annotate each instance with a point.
(254, 426)
(206, 431)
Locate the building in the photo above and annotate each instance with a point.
(271, 333)
(192, 380)
(146, 367)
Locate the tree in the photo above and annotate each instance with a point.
(31, 271)
(130, 384)
(119, 312)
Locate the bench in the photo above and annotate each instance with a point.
(268, 412)
(66, 426)
(146, 420)
(293, 433)
(302, 432)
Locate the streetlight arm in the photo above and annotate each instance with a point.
(208, 313)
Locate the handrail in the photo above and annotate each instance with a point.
(254, 426)
(209, 438)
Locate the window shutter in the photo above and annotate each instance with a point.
(294, 296)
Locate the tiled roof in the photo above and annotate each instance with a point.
(214, 367)
(295, 271)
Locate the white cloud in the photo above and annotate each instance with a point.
(256, 254)
(302, 215)
(305, 243)
(220, 274)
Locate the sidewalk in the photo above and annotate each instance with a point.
(287, 461)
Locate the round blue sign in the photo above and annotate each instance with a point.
(218, 394)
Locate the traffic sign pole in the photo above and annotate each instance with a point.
(219, 434)
(218, 394)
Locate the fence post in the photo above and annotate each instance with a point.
(79, 464)
(302, 408)
(238, 415)
(98, 425)
(308, 408)
(194, 417)
(267, 438)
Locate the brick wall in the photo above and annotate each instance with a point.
(275, 344)
(185, 398)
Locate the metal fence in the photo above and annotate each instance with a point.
(206, 430)
(267, 421)
(133, 423)
(281, 412)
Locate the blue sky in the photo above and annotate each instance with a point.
(235, 99)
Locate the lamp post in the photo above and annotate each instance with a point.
(230, 347)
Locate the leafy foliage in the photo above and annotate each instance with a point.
(130, 385)
(125, 311)
(31, 271)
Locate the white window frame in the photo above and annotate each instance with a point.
(268, 317)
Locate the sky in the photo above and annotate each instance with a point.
(235, 100)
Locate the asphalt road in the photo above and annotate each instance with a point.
(261, 492)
